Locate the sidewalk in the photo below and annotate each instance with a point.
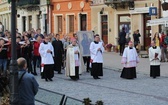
(112, 60)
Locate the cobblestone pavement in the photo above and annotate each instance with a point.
(111, 89)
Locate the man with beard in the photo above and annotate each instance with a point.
(58, 52)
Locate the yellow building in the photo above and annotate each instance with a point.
(110, 19)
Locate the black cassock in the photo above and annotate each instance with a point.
(58, 52)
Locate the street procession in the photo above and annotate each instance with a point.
(76, 49)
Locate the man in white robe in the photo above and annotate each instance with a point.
(96, 50)
(74, 61)
(47, 53)
(154, 58)
(129, 60)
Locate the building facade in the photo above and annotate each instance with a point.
(5, 14)
(70, 16)
(111, 19)
(32, 15)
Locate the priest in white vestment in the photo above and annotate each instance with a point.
(74, 61)
(47, 53)
(154, 58)
(129, 61)
(96, 51)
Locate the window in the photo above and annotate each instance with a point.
(71, 23)
(59, 24)
(30, 22)
(125, 21)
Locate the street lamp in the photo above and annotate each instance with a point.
(13, 63)
(48, 5)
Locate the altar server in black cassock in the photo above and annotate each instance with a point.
(47, 53)
(58, 52)
(96, 50)
(154, 57)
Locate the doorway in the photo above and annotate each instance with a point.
(104, 27)
(45, 21)
(24, 23)
(147, 33)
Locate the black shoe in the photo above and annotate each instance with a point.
(87, 71)
(98, 78)
(46, 79)
(95, 77)
(50, 79)
(154, 77)
(59, 73)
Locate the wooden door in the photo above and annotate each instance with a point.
(147, 34)
(104, 27)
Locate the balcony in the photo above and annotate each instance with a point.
(28, 2)
(120, 3)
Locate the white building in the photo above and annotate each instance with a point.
(32, 16)
(28, 15)
(5, 14)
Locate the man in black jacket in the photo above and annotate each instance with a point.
(122, 40)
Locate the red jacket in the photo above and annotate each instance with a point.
(162, 41)
(36, 48)
(9, 50)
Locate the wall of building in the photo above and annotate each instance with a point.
(136, 18)
(5, 16)
(69, 7)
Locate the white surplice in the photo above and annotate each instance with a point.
(96, 56)
(152, 53)
(46, 58)
(130, 57)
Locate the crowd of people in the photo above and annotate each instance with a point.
(49, 53)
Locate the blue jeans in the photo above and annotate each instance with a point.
(3, 64)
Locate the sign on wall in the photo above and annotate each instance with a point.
(153, 11)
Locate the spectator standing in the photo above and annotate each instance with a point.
(163, 47)
(3, 56)
(122, 40)
(136, 36)
(1, 28)
(28, 86)
(156, 38)
(36, 54)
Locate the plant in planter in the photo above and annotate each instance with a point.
(99, 102)
(87, 101)
(108, 47)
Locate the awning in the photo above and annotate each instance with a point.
(161, 21)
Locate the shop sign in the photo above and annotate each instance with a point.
(140, 10)
(153, 11)
(97, 2)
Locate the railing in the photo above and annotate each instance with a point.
(28, 2)
(48, 97)
(117, 1)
